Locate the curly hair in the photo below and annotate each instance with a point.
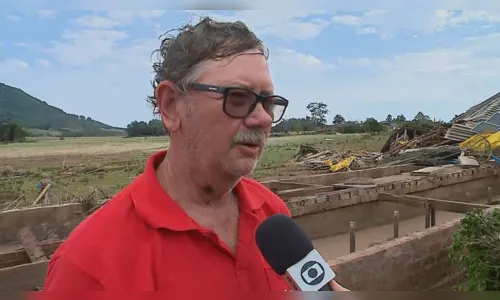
(181, 55)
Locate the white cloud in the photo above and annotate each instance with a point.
(451, 78)
(348, 20)
(355, 62)
(43, 14)
(116, 18)
(98, 63)
(43, 63)
(13, 18)
(129, 15)
(367, 30)
(95, 65)
(298, 62)
(14, 64)
(387, 22)
(96, 21)
(96, 37)
(285, 24)
(85, 46)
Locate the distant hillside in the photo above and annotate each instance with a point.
(18, 107)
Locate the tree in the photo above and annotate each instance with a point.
(141, 128)
(350, 127)
(400, 118)
(10, 133)
(421, 117)
(338, 120)
(371, 125)
(389, 118)
(318, 111)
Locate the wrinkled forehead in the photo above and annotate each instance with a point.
(249, 69)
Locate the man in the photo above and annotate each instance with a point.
(189, 220)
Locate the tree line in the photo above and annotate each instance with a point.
(12, 133)
(140, 128)
(317, 120)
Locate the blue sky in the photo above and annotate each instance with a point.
(362, 63)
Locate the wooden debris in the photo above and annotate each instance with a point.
(468, 161)
(315, 159)
(43, 194)
(431, 170)
(30, 245)
(429, 139)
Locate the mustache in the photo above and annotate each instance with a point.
(256, 136)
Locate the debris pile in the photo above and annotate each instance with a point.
(411, 138)
(405, 146)
(334, 160)
(7, 172)
(481, 118)
(430, 156)
(50, 193)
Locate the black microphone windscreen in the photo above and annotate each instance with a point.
(282, 242)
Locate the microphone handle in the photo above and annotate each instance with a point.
(326, 288)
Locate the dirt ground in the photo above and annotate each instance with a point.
(336, 246)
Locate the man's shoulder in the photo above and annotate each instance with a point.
(272, 202)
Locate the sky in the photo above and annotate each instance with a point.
(361, 61)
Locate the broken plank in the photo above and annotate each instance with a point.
(30, 245)
(42, 193)
(468, 161)
(437, 204)
(430, 170)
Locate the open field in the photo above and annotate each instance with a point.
(75, 165)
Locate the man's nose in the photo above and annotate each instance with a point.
(259, 118)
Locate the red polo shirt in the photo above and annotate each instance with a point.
(142, 240)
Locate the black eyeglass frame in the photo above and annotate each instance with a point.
(225, 91)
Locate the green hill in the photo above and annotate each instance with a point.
(16, 106)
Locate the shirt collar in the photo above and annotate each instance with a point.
(159, 210)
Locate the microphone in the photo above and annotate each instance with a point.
(291, 254)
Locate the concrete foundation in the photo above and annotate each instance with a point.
(323, 206)
(54, 218)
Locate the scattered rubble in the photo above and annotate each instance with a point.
(410, 138)
(407, 145)
(7, 172)
(431, 156)
(334, 160)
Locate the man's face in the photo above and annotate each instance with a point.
(218, 139)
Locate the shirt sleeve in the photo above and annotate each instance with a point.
(63, 275)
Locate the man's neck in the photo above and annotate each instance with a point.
(186, 181)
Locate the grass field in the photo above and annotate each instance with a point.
(76, 165)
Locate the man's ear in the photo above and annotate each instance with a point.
(166, 97)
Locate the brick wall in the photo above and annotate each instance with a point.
(326, 201)
(331, 178)
(414, 262)
(366, 215)
(58, 219)
(20, 257)
(25, 277)
(477, 188)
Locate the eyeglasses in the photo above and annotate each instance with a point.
(239, 103)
